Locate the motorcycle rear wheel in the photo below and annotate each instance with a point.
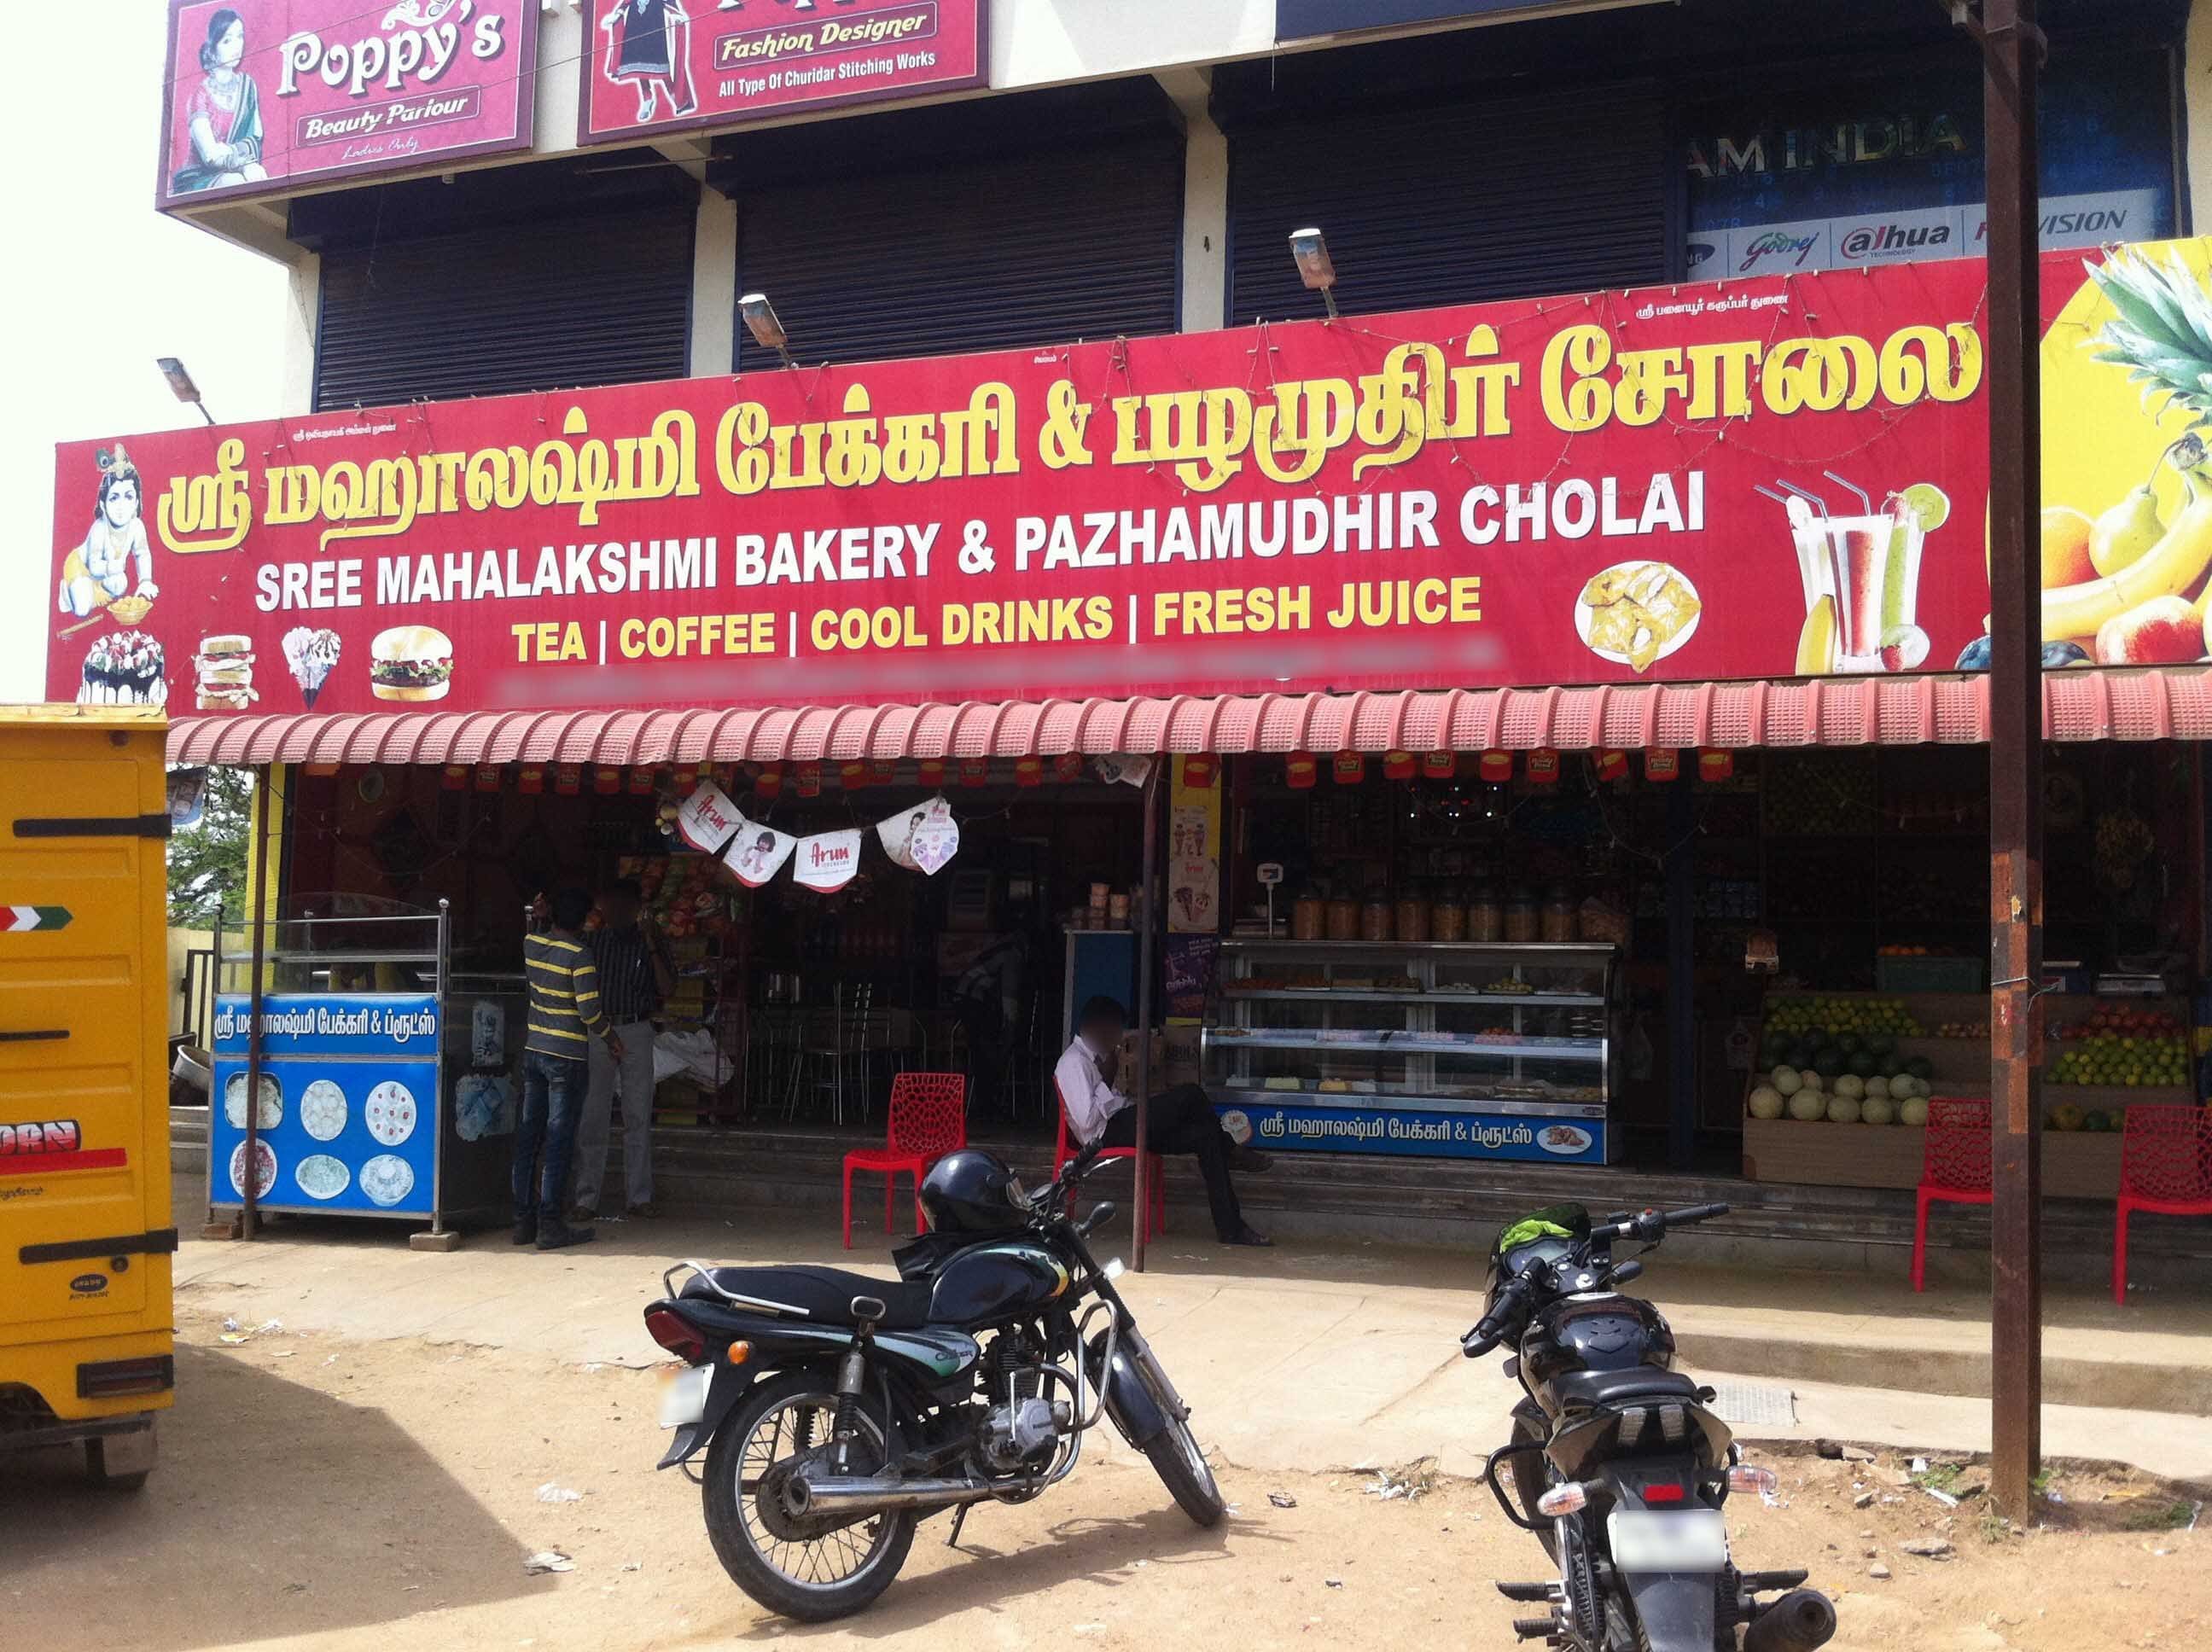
(815, 1578)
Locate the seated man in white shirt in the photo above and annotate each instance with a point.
(1177, 1121)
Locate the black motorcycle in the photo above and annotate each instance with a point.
(836, 1411)
(1618, 1464)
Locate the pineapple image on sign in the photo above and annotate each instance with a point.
(1638, 613)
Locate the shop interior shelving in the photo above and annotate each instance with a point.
(1444, 1026)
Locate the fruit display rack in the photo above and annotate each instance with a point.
(2102, 1056)
(1434, 1031)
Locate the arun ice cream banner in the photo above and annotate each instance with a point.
(1778, 476)
(264, 94)
(669, 65)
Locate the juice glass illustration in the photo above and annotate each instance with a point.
(1867, 566)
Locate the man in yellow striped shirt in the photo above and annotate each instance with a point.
(565, 1015)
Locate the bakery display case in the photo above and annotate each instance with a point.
(1434, 1048)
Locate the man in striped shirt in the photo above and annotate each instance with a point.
(565, 1017)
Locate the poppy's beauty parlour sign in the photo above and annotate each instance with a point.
(265, 92)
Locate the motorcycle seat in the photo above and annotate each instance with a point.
(1597, 1390)
(821, 1295)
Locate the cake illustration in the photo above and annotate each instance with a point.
(124, 668)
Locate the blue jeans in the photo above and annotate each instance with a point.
(552, 1102)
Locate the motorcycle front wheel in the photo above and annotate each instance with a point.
(813, 1569)
(1179, 1460)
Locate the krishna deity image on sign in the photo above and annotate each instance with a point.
(649, 46)
(100, 571)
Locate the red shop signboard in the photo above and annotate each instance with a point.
(667, 65)
(1554, 491)
(263, 94)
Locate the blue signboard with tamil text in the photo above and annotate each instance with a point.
(1414, 1132)
(348, 1113)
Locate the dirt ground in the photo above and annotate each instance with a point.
(322, 1492)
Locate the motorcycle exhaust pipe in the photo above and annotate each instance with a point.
(1799, 1621)
(859, 1494)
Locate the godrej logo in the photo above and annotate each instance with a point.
(1792, 250)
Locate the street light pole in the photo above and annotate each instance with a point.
(2012, 48)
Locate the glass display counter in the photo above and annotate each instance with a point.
(1443, 1050)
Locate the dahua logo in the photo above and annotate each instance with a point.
(1889, 239)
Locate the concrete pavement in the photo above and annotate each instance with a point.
(1307, 1356)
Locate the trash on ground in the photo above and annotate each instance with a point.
(547, 1560)
(552, 1492)
(1413, 1480)
(1282, 1500)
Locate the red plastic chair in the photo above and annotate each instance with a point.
(2166, 1168)
(1155, 1182)
(1955, 1167)
(929, 1119)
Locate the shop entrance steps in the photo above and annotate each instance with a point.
(1837, 1256)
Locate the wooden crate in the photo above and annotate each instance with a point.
(2076, 1163)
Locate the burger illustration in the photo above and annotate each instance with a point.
(410, 662)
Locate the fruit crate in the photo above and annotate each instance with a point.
(2078, 1164)
(1906, 976)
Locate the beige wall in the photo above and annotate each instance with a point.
(182, 941)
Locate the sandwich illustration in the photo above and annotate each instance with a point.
(410, 662)
(224, 673)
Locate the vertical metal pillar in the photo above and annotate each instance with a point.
(1147, 932)
(249, 1212)
(1681, 975)
(2013, 51)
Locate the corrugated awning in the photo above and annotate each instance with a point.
(2148, 704)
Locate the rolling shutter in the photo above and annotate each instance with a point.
(980, 254)
(500, 311)
(1453, 204)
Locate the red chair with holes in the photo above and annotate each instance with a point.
(1955, 1167)
(1155, 1182)
(2166, 1168)
(929, 1119)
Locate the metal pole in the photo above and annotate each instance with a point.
(1145, 938)
(2013, 51)
(246, 1180)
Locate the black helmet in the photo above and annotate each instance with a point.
(971, 1191)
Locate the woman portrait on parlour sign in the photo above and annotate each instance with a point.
(223, 119)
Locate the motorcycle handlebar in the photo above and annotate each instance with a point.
(1491, 1328)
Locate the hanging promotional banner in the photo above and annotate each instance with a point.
(826, 863)
(670, 65)
(265, 95)
(707, 819)
(1775, 477)
(756, 854)
(921, 839)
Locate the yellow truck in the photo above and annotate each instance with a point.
(87, 1337)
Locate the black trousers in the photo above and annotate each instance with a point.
(1182, 1121)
